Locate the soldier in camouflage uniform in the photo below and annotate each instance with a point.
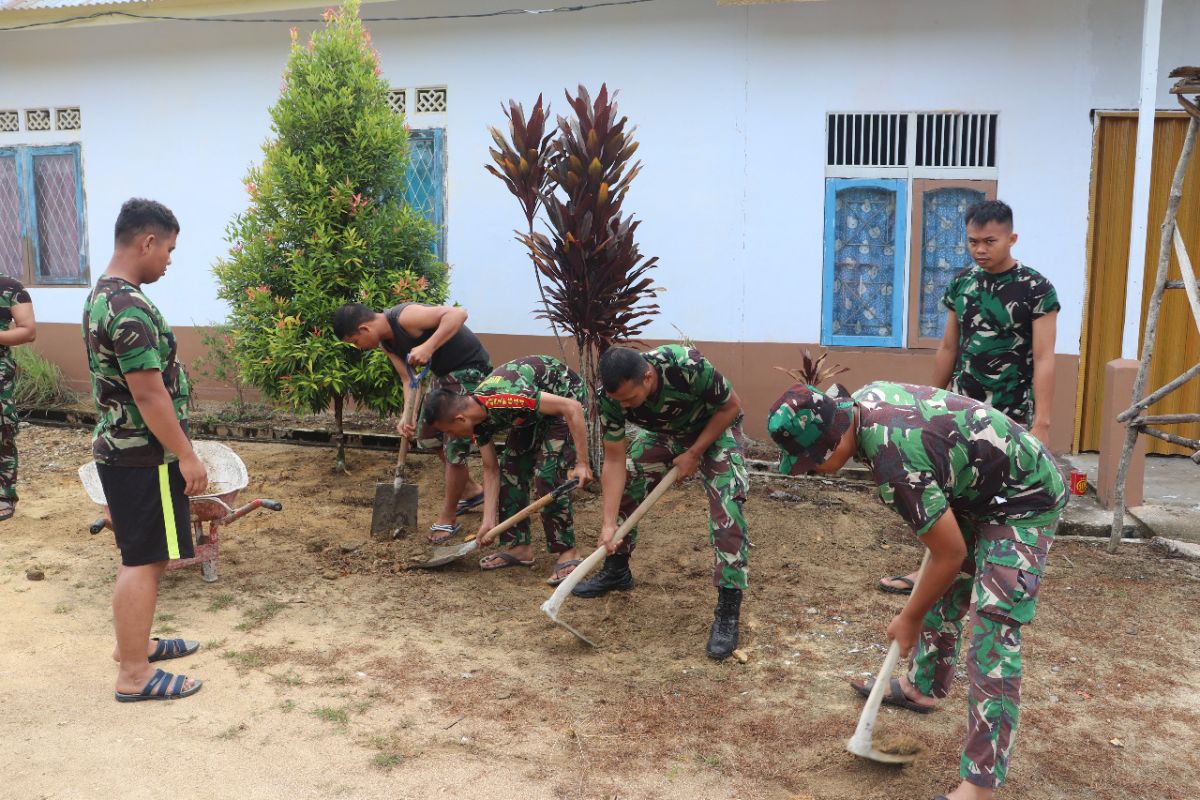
(144, 458)
(17, 326)
(998, 345)
(985, 496)
(687, 415)
(536, 403)
(414, 335)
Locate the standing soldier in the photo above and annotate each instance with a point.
(144, 458)
(537, 402)
(413, 335)
(984, 495)
(17, 326)
(998, 346)
(688, 417)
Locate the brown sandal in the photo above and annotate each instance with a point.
(558, 576)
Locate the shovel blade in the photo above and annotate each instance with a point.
(444, 555)
(394, 511)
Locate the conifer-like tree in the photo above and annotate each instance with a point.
(326, 225)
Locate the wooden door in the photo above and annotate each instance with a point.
(1178, 346)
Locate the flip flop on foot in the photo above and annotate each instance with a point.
(906, 589)
(562, 570)
(162, 686)
(440, 534)
(502, 560)
(895, 697)
(165, 649)
(471, 502)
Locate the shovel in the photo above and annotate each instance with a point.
(554, 604)
(395, 506)
(453, 552)
(861, 744)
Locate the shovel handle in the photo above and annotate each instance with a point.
(860, 743)
(536, 505)
(410, 415)
(666, 483)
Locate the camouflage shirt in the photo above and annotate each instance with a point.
(931, 450)
(512, 395)
(124, 332)
(995, 340)
(12, 293)
(690, 391)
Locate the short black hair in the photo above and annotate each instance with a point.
(987, 211)
(441, 404)
(620, 364)
(139, 216)
(348, 317)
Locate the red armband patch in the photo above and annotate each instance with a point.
(508, 401)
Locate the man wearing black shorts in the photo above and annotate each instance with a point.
(143, 456)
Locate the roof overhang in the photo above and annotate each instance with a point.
(81, 13)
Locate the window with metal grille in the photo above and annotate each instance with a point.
(944, 139)
(867, 140)
(43, 240)
(897, 187)
(425, 183)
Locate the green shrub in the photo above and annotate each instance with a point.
(39, 382)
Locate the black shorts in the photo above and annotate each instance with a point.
(149, 512)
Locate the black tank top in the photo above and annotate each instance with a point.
(460, 351)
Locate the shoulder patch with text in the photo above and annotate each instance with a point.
(508, 401)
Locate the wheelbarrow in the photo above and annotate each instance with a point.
(227, 476)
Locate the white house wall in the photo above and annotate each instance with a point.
(730, 105)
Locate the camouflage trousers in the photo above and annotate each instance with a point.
(8, 435)
(723, 470)
(542, 455)
(1003, 577)
(460, 381)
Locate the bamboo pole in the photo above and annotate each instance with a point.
(1189, 278)
(1151, 333)
(1165, 419)
(1158, 394)
(1172, 438)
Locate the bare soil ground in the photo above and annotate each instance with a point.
(332, 671)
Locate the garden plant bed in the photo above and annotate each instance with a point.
(333, 671)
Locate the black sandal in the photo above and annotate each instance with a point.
(883, 587)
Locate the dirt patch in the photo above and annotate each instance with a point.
(334, 671)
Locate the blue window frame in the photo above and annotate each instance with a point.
(425, 183)
(43, 236)
(863, 277)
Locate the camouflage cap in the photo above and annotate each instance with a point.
(807, 424)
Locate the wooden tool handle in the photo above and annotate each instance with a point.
(860, 743)
(556, 600)
(536, 505)
(666, 483)
(410, 415)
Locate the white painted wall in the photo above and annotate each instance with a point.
(729, 104)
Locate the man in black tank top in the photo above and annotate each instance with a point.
(414, 335)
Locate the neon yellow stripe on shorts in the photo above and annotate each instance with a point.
(164, 491)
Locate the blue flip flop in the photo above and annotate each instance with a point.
(471, 502)
(161, 686)
(166, 649)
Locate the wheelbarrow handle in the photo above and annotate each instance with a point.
(273, 505)
(536, 505)
(97, 526)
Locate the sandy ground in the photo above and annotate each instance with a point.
(331, 671)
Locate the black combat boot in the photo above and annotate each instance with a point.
(613, 576)
(724, 636)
